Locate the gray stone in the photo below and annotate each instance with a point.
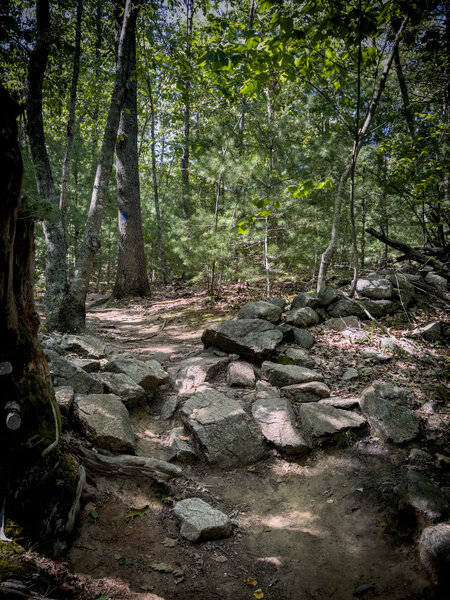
(179, 445)
(387, 410)
(430, 332)
(200, 521)
(303, 338)
(327, 295)
(283, 375)
(240, 374)
(403, 288)
(123, 386)
(374, 354)
(260, 310)
(226, 435)
(342, 323)
(64, 397)
(303, 300)
(280, 302)
(51, 344)
(378, 308)
(344, 307)
(350, 373)
(300, 357)
(374, 288)
(68, 374)
(265, 390)
(148, 375)
(344, 403)
(306, 392)
(419, 493)
(106, 419)
(418, 456)
(434, 549)
(168, 406)
(436, 281)
(303, 317)
(86, 346)
(253, 339)
(276, 420)
(90, 365)
(194, 371)
(321, 423)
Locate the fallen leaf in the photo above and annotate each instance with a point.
(138, 512)
(183, 437)
(169, 543)
(219, 558)
(258, 594)
(162, 567)
(251, 581)
(330, 501)
(94, 514)
(235, 523)
(359, 489)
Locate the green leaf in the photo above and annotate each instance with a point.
(126, 562)
(138, 512)
(94, 514)
(102, 597)
(162, 567)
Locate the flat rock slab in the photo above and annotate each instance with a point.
(320, 422)
(284, 375)
(149, 375)
(422, 495)
(253, 339)
(200, 521)
(68, 374)
(123, 386)
(306, 392)
(86, 346)
(276, 420)
(344, 403)
(260, 310)
(226, 435)
(240, 374)
(388, 413)
(300, 357)
(105, 417)
(90, 365)
(194, 371)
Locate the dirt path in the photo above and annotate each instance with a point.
(317, 528)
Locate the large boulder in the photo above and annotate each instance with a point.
(260, 310)
(303, 300)
(418, 493)
(327, 295)
(303, 338)
(200, 521)
(66, 374)
(321, 423)
(344, 307)
(106, 420)
(303, 317)
(342, 323)
(434, 548)
(253, 339)
(194, 371)
(436, 281)
(312, 391)
(276, 420)
(86, 346)
(374, 287)
(388, 410)
(284, 375)
(225, 434)
(149, 375)
(123, 386)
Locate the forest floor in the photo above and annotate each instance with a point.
(317, 528)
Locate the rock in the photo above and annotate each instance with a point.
(303, 338)
(344, 307)
(240, 374)
(322, 423)
(374, 288)
(299, 357)
(327, 295)
(276, 420)
(51, 344)
(374, 354)
(64, 397)
(90, 365)
(253, 339)
(418, 456)
(434, 549)
(86, 346)
(344, 403)
(179, 445)
(200, 521)
(106, 419)
(350, 373)
(168, 406)
(67, 374)
(303, 300)
(283, 375)
(148, 375)
(342, 323)
(403, 288)
(123, 386)
(378, 308)
(260, 310)
(436, 281)
(224, 432)
(303, 317)
(280, 302)
(265, 390)
(387, 410)
(420, 494)
(194, 371)
(306, 392)
(430, 332)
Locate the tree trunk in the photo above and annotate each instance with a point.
(55, 239)
(185, 190)
(39, 496)
(131, 274)
(327, 256)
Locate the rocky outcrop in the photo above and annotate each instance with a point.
(276, 420)
(321, 423)
(195, 371)
(86, 346)
(148, 375)
(66, 374)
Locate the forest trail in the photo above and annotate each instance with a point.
(311, 528)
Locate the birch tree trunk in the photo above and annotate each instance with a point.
(327, 256)
(131, 274)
